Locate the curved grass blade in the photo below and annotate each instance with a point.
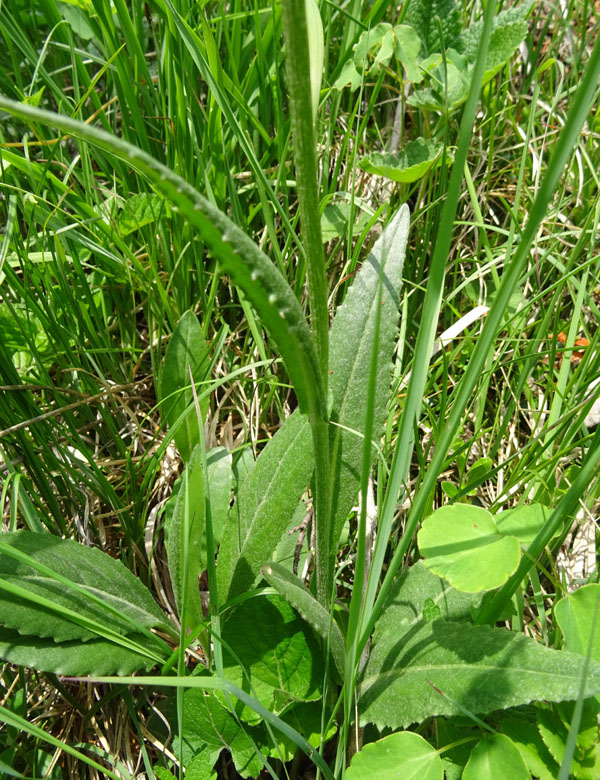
(250, 269)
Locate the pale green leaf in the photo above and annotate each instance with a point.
(578, 616)
(462, 544)
(405, 754)
(410, 164)
(316, 52)
(220, 483)
(187, 350)
(408, 46)
(524, 522)
(336, 217)
(495, 758)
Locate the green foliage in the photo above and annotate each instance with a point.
(420, 668)
(107, 240)
(411, 164)
(187, 357)
(404, 752)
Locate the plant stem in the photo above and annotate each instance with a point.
(298, 68)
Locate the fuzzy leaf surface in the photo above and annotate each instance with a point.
(186, 540)
(187, 349)
(93, 570)
(269, 496)
(301, 599)
(271, 653)
(207, 725)
(96, 656)
(418, 672)
(421, 14)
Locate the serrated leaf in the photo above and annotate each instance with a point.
(271, 652)
(139, 210)
(495, 757)
(410, 164)
(266, 501)
(186, 540)
(421, 669)
(406, 755)
(524, 733)
(187, 349)
(421, 14)
(96, 573)
(293, 590)
(469, 39)
(93, 657)
(269, 496)
(462, 543)
(207, 725)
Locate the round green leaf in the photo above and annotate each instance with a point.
(523, 522)
(462, 544)
(575, 616)
(411, 164)
(496, 758)
(404, 755)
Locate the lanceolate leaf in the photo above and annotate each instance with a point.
(96, 656)
(270, 495)
(186, 541)
(298, 595)
(250, 269)
(102, 589)
(421, 668)
(187, 351)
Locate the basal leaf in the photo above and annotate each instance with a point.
(462, 543)
(405, 754)
(410, 164)
(95, 656)
(186, 540)
(187, 350)
(269, 496)
(496, 757)
(437, 36)
(301, 599)
(522, 730)
(270, 652)
(208, 725)
(265, 503)
(422, 669)
(220, 479)
(118, 598)
(139, 210)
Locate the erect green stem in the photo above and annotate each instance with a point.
(303, 136)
